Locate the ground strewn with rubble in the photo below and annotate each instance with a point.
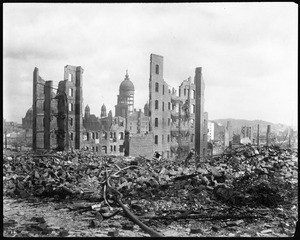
(246, 191)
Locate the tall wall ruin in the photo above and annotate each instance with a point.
(57, 118)
(159, 99)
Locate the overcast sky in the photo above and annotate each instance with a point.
(247, 51)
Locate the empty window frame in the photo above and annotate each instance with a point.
(104, 149)
(192, 138)
(156, 139)
(71, 107)
(163, 106)
(104, 135)
(156, 104)
(121, 135)
(156, 87)
(71, 92)
(163, 89)
(157, 69)
(156, 122)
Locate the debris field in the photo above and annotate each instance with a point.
(246, 191)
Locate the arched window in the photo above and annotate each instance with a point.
(156, 139)
(156, 87)
(156, 122)
(157, 69)
(156, 104)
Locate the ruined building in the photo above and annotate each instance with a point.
(56, 118)
(171, 124)
(178, 122)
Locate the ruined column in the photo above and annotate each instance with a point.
(47, 113)
(62, 114)
(35, 79)
(268, 134)
(199, 110)
(78, 107)
(126, 144)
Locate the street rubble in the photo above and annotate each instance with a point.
(247, 191)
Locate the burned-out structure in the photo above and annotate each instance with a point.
(177, 121)
(56, 121)
(171, 123)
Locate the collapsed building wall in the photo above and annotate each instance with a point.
(178, 123)
(57, 119)
(73, 89)
(183, 117)
(43, 109)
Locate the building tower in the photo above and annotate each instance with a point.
(159, 99)
(87, 112)
(103, 111)
(125, 102)
(146, 109)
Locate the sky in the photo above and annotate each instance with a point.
(247, 51)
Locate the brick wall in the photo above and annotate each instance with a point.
(159, 91)
(141, 145)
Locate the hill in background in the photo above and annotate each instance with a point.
(238, 123)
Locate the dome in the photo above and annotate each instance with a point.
(29, 113)
(126, 85)
(87, 108)
(103, 108)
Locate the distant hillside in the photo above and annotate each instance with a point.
(238, 123)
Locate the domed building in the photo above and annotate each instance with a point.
(125, 104)
(103, 111)
(27, 120)
(146, 109)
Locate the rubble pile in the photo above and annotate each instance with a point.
(49, 175)
(245, 176)
(264, 175)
